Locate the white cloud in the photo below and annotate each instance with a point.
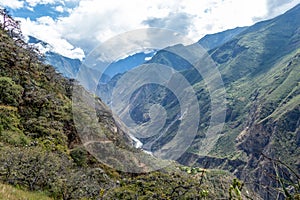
(30, 8)
(44, 29)
(148, 58)
(276, 7)
(59, 9)
(95, 21)
(92, 21)
(14, 4)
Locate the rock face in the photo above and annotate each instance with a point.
(276, 138)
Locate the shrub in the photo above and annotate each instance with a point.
(11, 93)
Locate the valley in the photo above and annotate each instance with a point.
(61, 136)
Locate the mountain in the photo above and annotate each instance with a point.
(126, 64)
(68, 67)
(212, 41)
(260, 68)
(42, 149)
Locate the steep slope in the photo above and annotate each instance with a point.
(38, 141)
(40, 149)
(66, 66)
(263, 57)
(260, 68)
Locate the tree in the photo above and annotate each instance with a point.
(11, 26)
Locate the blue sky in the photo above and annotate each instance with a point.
(74, 27)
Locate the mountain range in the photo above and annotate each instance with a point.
(260, 67)
(259, 143)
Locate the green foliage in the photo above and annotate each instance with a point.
(79, 155)
(157, 185)
(192, 170)
(11, 93)
(10, 127)
(36, 169)
(235, 190)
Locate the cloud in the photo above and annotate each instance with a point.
(45, 29)
(91, 22)
(59, 9)
(175, 21)
(276, 7)
(14, 4)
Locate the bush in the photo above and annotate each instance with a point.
(79, 155)
(35, 169)
(10, 132)
(11, 93)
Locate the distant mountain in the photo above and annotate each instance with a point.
(166, 57)
(128, 63)
(68, 67)
(212, 41)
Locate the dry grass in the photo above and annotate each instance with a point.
(11, 193)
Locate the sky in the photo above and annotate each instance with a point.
(74, 27)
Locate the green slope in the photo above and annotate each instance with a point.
(261, 69)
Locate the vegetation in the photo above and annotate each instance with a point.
(8, 192)
(40, 150)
